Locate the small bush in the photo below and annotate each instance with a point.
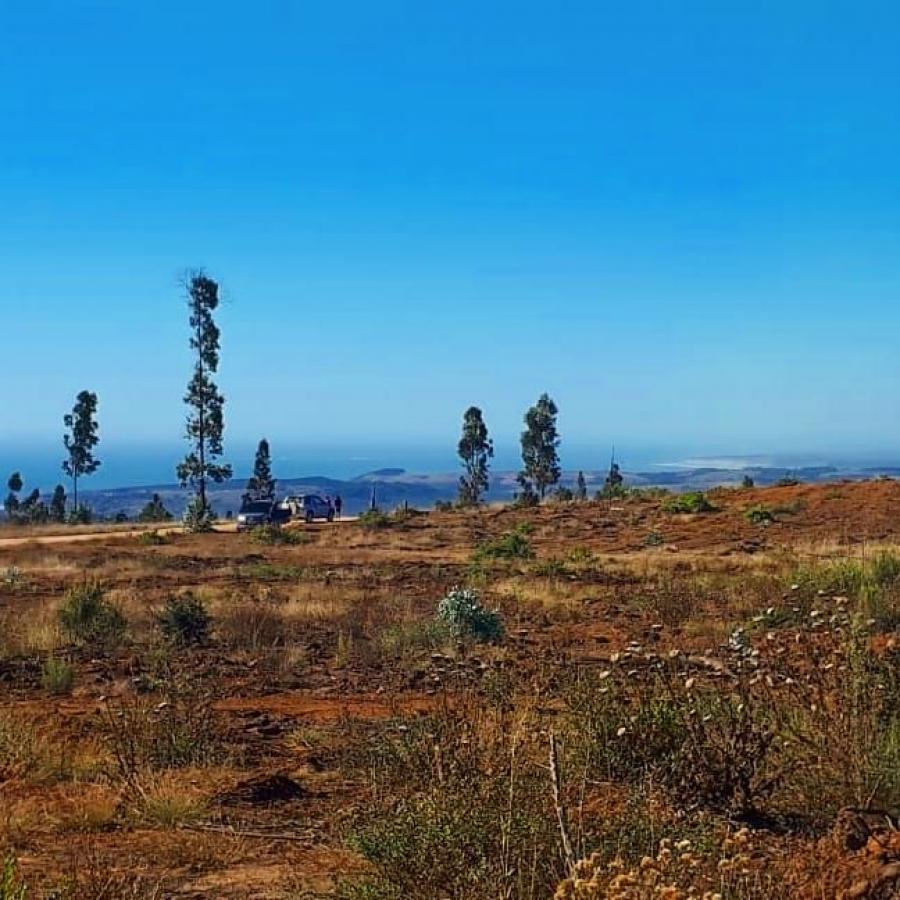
(87, 617)
(82, 515)
(185, 620)
(374, 518)
(409, 637)
(57, 676)
(12, 887)
(550, 568)
(582, 556)
(198, 518)
(153, 539)
(512, 545)
(275, 535)
(463, 613)
(13, 578)
(759, 515)
(443, 505)
(155, 511)
(146, 736)
(691, 502)
(251, 625)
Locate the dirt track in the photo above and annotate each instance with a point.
(81, 537)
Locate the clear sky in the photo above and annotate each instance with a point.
(682, 219)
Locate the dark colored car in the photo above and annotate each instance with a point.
(255, 513)
(308, 507)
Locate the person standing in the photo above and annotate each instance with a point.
(338, 505)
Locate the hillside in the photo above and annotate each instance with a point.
(395, 486)
(716, 682)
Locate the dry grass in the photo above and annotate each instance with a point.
(429, 755)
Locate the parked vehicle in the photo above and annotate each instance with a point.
(255, 513)
(308, 507)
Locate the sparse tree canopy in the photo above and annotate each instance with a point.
(540, 442)
(581, 487)
(205, 421)
(11, 504)
(614, 479)
(80, 440)
(475, 450)
(58, 504)
(261, 485)
(154, 511)
(28, 511)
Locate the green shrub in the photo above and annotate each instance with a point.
(82, 515)
(885, 568)
(550, 568)
(185, 620)
(11, 885)
(154, 511)
(463, 613)
(198, 518)
(759, 515)
(512, 545)
(86, 616)
(13, 578)
(443, 505)
(153, 539)
(57, 676)
(408, 637)
(582, 556)
(375, 518)
(711, 749)
(275, 535)
(691, 502)
(453, 812)
(144, 735)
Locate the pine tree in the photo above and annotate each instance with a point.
(154, 511)
(614, 480)
(58, 504)
(81, 440)
(581, 487)
(475, 450)
(540, 443)
(206, 421)
(261, 485)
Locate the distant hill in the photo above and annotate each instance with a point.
(395, 486)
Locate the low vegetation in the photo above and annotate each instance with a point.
(463, 613)
(690, 502)
(582, 700)
(87, 616)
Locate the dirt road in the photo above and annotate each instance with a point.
(81, 537)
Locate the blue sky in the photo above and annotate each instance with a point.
(679, 218)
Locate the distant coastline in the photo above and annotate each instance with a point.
(394, 486)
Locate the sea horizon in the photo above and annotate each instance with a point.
(127, 466)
